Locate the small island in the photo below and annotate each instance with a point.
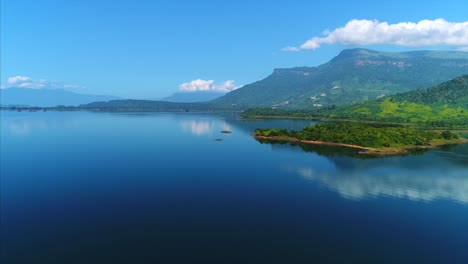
(373, 139)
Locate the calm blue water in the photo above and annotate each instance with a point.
(80, 187)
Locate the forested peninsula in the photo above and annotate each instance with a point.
(374, 139)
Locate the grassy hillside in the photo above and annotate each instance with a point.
(443, 105)
(354, 75)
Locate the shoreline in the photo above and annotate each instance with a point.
(385, 151)
(351, 120)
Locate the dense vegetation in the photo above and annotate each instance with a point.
(354, 75)
(365, 135)
(444, 105)
(279, 113)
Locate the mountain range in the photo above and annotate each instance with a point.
(352, 76)
(47, 97)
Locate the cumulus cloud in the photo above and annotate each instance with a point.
(227, 86)
(17, 79)
(197, 85)
(27, 82)
(208, 85)
(424, 33)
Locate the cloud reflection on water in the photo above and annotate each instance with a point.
(424, 176)
(204, 127)
(197, 127)
(422, 186)
(26, 125)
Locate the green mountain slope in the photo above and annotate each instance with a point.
(354, 75)
(446, 103)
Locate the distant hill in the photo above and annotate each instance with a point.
(192, 97)
(145, 105)
(445, 103)
(47, 97)
(352, 76)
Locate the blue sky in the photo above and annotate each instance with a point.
(150, 49)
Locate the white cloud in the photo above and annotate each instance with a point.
(291, 48)
(438, 32)
(227, 86)
(196, 85)
(208, 85)
(27, 82)
(17, 79)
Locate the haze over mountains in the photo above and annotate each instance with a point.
(193, 97)
(47, 97)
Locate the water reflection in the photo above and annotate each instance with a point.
(22, 124)
(197, 127)
(202, 127)
(424, 175)
(438, 174)
(424, 185)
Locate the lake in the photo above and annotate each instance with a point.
(83, 187)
